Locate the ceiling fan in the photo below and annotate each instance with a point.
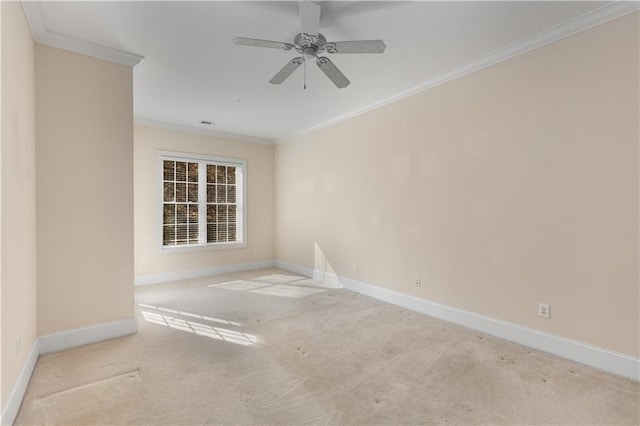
(310, 43)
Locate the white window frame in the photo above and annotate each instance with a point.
(241, 200)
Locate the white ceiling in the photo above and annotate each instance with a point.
(192, 71)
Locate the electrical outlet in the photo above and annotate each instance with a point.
(355, 267)
(544, 310)
(418, 282)
(143, 263)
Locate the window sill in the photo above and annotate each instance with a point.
(201, 247)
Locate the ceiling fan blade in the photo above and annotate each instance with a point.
(309, 18)
(243, 41)
(332, 72)
(356, 46)
(286, 71)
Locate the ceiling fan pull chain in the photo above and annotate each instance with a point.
(305, 72)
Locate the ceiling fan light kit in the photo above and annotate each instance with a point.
(310, 43)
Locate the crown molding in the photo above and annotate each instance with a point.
(200, 131)
(84, 47)
(573, 26)
(41, 34)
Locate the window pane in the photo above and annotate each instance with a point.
(193, 192)
(211, 173)
(181, 235)
(211, 213)
(222, 233)
(231, 194)
(221, 174)
(193, 213)
(222, 193)
(211, 193)
(181, 192)
(181, 171)
(232, 232)
(222, 214)
(231, 218)
(193, 233)
(169, 191)
(212, 233)
(168, 235)
(231, 175)
(193, 172)
(169, 169)
(181, 213)
(169, 214)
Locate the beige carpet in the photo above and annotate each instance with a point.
(265, 347)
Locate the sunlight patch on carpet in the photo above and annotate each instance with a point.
(279, 278)
(240, 285)
(218, 333)
(287, 291)
(281, 285)
(190, 314)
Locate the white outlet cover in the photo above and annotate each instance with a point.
(544, 310)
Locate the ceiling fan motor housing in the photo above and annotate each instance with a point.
(310, 46)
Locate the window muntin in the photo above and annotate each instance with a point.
(202, 202)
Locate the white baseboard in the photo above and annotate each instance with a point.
(203, 272)
(292, 267)
(328, 278)
(324, 277)
(83, 336)
(600, 358)
(11, 408)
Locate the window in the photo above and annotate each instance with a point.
(202, 201)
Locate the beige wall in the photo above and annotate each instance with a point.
(84, 109)
(514, 185)
(18, 242)
(260, 236)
